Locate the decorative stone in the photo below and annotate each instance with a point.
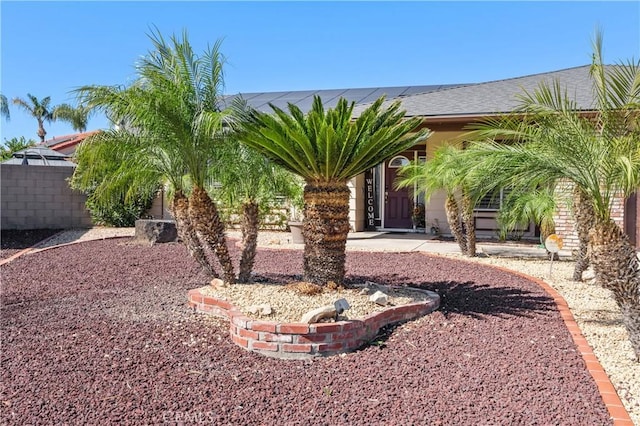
(380, 298)
(156, 231)
(264, 309)
(341, 305)
(318, 314)
(364, 291)
(588, 275)
(217, 283)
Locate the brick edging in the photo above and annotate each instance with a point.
(614, 405)
(301, 340)
(617, 412)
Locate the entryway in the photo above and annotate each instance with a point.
(397, 203)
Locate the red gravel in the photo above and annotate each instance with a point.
(99, 333)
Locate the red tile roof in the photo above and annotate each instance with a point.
(61, 142)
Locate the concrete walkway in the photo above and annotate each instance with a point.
(406, 242)
(358, 241)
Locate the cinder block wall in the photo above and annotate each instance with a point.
(39, 197)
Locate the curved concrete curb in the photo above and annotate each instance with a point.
(617, 412)
(34, 248)
(30, 249)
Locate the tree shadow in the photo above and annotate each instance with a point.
(481, 300)
(11, 239)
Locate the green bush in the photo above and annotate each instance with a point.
(118, 214)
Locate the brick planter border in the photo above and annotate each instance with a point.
(300, 340)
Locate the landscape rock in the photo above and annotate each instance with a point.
(341, 305)
(588, 275)
(380, 298)
(263, 309)
(156, 231)
(319, 314)
(365, 291)
(217, 283)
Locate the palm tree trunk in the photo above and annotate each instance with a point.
(41, 132)
(250, 221)
(453, 219)
(469, 225)
(188, 235)
(325, 230)
(206, 220)
(585, 217)
(616, 266)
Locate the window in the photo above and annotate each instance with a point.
(492, 202)
(398, 161)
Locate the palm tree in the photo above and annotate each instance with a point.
(78, 116)
(4, 107)
(174, 107)
(598, 153)
(326, 149)
(249, 183)
(537, 205)
(585, 221)
(40, 109)
(443, 172)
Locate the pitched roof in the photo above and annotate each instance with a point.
(61, 142)
(39, 155)
(304, 98)
(495, 96)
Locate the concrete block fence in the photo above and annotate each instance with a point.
(39, 197)
(300, 340)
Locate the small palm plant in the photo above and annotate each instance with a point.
(599, 154)
(537, 205)
(444, 172)
(173, 110)
(249, 183)
(327, 149)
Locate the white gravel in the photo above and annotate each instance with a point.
(593, 307)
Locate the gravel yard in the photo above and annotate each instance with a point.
(99, 333)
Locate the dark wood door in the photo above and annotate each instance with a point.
(397, 205)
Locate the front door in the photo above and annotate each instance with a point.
(397, 204)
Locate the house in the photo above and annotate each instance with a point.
(446, 110)
(67, 144)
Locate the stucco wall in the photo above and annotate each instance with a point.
(39, 197)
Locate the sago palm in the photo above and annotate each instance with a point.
(327, 149)
(40, 109)
(174, 105)
(598, 153)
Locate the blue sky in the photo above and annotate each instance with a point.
(50, 48)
